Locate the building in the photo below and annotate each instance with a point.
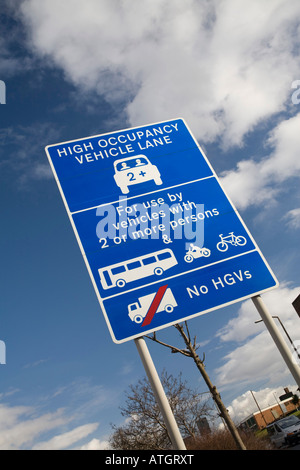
(261, 418)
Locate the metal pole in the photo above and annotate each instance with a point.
(258, 407)
(290, 339)
(160, 395)
(277, 337)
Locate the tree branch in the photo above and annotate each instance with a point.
(173, 348)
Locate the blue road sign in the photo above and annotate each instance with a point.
(160, 238)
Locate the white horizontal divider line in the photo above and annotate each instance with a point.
(141, 195)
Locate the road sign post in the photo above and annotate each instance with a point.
(160, 395)
(277, 337)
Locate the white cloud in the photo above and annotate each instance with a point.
(279, 303)
(253, 182)
(255, 357)
(95, 444)
(19, 425)
(223, 65)
(293, 218)
(25, 427)
(65, 440)
(253, 361)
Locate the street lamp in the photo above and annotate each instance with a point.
(295, 349)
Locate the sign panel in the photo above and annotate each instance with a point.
(161, 240)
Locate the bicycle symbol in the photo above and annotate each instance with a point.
(230, 239)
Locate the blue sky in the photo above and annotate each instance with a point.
(74, 69)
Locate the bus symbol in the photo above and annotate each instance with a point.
(137, 268)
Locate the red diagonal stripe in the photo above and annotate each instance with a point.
(154, 305)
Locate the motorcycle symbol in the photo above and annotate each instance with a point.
(230, 239)
(196, 252)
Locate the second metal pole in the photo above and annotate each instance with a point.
(277, 337)
(160, 395)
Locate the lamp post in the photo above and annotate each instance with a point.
(290, 340)
(262, 415)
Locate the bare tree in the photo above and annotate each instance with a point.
(145, 428)
(191, 352)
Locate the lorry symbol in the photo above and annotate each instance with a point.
(138, 310)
